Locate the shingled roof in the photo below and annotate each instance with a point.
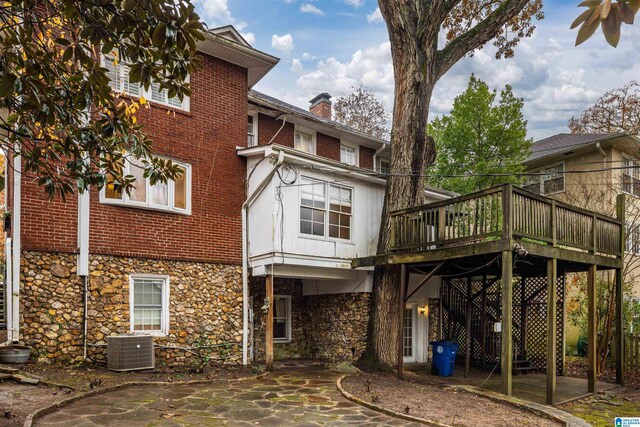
(564, 142)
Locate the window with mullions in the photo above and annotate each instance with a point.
(632, 242)
(281, 318)
(149, 304)
(340, 212)
(314, 209)
(553, 181)
(630, 176)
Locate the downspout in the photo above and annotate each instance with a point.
(7, 291)
(375, 157)
(14, 332)
(245, 255)
(82, 268)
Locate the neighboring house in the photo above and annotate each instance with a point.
(182, 260)
(589, 171)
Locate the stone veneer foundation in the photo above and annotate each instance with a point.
(204, 299)
(331, 327)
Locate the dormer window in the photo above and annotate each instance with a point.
(305, 141)
(349, 154)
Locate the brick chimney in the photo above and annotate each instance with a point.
(321, 106)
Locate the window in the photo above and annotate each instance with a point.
(149, 304)
(553, 181)
(118, 74)
(314, 209)
(630, 176)
(546, 181)
(252, 130)
(340, 212)
(305, 141)
(632, 242)
(384, 167)
(173, 196)
(348, 154)
(281, 318)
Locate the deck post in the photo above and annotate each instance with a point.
(506, 354)
(552, 275)
(469, 311)
(619, 319)
(404, 281)
(268, 354)
(592, 334)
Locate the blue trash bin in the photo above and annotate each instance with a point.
(444, 357)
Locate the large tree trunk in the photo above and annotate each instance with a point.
(411, 152)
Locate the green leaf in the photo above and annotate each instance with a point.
(635, 5)
(626, 13)
(586, 31)
(590, 3)
(7, 85)
(68, 54)
(108, 47)
(611, 28)
(159, 35)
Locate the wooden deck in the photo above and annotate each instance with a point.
(496, 220)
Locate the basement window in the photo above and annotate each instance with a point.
(172, 196)
(281, 318)
(149, 304)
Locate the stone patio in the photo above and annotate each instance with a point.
(297, 393)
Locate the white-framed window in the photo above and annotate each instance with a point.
(349, 154)
(547, 181)
(314, 209)
(118, 74)
(172, 196)
(632, 242)
(252, 130)
(149, 304)
(630, 175)
(305, 140)
(281, 318)
(384, 166)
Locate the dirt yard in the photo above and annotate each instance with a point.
(19, 400)
(436, 403)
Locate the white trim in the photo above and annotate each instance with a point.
(185, 105)
(256, 141)
(356, 150)
(170, 207)
(288, 318)
(14, 332)
(414, 333)
(165, 321)
(624, 172)
(310, 132)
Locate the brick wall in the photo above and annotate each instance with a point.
(366, 157)
(327, 146)
(268, 127)
(206, 138)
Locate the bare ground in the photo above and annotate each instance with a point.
(19, 400)
(436, 403)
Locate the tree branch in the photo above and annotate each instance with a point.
(479, 35)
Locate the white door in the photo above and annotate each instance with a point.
(409, 334)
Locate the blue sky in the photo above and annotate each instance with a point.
(333, 45)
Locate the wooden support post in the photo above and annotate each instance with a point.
(506, 355)
(592, 330)
(619, 319)
(268, 354)
(552, 275)
(468, 314)
(404, 281)
(619, 328)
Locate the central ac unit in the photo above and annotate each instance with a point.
(130, 352)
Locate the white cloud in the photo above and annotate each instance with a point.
(354, 3)
(306, 56)
(282, 43)
(296, 66)
(289, 1)
(216, 13)
(249, 37)
(309, 8)
(375, 16)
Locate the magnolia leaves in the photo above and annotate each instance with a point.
(610, 15)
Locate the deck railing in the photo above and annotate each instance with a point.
(503, 212)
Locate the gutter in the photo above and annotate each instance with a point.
(245, 251)
(375, 157)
